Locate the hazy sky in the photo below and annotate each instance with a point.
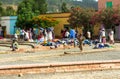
(81, 0)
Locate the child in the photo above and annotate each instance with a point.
(14, 45)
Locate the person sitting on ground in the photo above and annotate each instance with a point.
(14, 45)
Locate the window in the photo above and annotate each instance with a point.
(109, 4)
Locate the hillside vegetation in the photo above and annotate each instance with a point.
(53, 4)
(15, 2)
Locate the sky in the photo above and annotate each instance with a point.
(81, 0)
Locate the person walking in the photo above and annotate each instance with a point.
(80, 39)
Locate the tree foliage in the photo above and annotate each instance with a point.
(1, 9)
(109, 17)
(25, 14)
(27, 10)
(55, 5)
(44, 22)
(81, 17)
(11, 1)
(39, 6)
(64, 8)
(10, 11)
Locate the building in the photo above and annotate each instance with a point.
(108, 4)
(102, 4)
(62, 19)
(8, 25)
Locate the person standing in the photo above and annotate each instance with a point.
(16, 36)
(45, 34)
(100, 35)
(111, 36)
(88, 35)
(80, 39)
(22, 34)
(103, 36)
(72, 33)
(26, 36)
(67, 34)
(49, 35)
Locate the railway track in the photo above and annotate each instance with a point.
(59, 67)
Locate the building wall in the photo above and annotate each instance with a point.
(102, 4)
(62, 19)
(115, 4)
(9, 23)
(5, 22)
(12, 24)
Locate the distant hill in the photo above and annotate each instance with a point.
(15, 2)
(54, 5)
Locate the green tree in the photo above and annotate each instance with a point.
(39, 6)
(10, 11)
(1, 9)
(64, 7)
(11, 1)
(27, 10)
(44, 22)
(25, 14)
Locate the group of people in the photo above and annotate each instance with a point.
(66, 33)
(101, 43)
(25, 35)
(102, 36)
(47, 36)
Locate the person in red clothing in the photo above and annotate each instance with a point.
(40, 35)
(40, 38)
(63, 33)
